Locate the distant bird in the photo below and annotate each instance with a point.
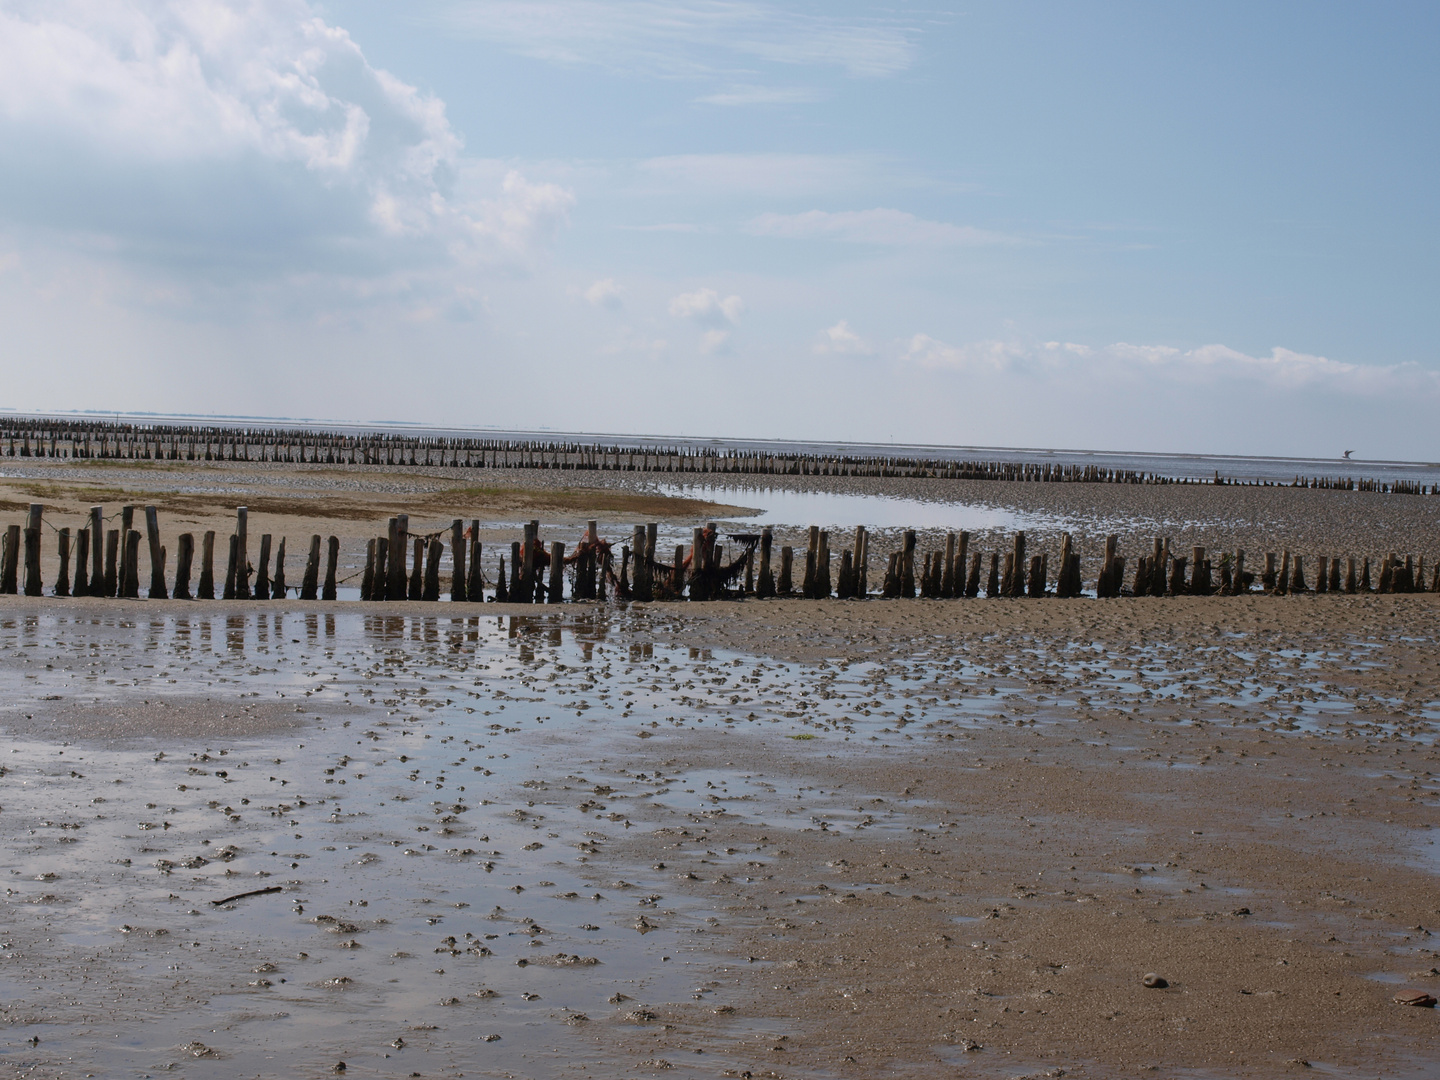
(1348, 453)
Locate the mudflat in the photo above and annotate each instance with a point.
(789, 838)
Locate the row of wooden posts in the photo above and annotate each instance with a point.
(87, 440)
(107, 561)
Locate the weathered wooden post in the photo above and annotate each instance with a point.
(458, 582)
(1177, 585)
(62, 580)
(765, 587)
(262, 575)
(515, 567)
(1322, 574)
(822, 566)
(528, 553)
(157, 564)
(1365, 575)
(367, 577)
(1199, 573)
(329, 590)
(380, 590)
(947, 576)
(33, 584)
(907, 565)
(397, 578)
(1141, 586)
(231, 568)
(557, 572)
(786, 585)
(277, 583)
(812, 550)
(127, 521)
(862, 561)
(1036, 584)
(1335, 584)
(652, 533)
(112, 558)
(132, 565)
(475, 581)
(972, 579)
(435, 550)
(992, 583)
(184, 560)
(638, 589)
(242, 554)
(81, 587)
(97, 554)
(310, 582)
(1159, 559)
(1267, 579)
(416, 583)
(205, 590)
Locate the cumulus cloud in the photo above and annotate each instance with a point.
(604, 293)
(245, 135)
(708, 308)
(879, 226)
(1212, 365)
(841, 340)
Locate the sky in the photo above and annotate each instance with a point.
(1119, 226)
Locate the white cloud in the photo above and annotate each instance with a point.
(1207, 365)
(713, 341)
(684, 37)
(879, 226)
(244, 138)
(604, 293)
(841, 340)
(708, 308)
(762, 95)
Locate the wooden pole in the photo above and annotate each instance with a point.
(262, 575)
(786, 586)
(417, 572)
(822, 566)
(332, 559)
(127, 520)
(277, 583)
(458, 580)
(514, 594)
(557, 572)
(242, 554)
(62, 580)
(992, 583)
(205, 590)
(33, 584)
(232, 568)
(812, 556)
(475, 583)
(907, 565)
(82, 563)
(862, 559)
(947, 577)
(97, 543)
(310, 582)
(1322, 574)
(184, 560)
(367, 577)
(132, 565)
(398, 577)
(637, 554)
(112, 557)
(436, 550)
(157, 564)
(972, 579)
(380, 589)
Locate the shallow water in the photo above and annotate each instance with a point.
(436, 797)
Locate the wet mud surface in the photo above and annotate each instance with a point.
(671, 841)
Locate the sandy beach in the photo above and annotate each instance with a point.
(765, 839)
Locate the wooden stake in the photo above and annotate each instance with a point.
(81, 586)
(367, 578)
(262, 576)
(205, 590)
(112, 556)
(786, 587)
(97, 544)
(972, 579)
(184, 560)
(907, 564)
(157, 566)
(992, 583)
(765, 587)
(417, 572)
(310, 582)
(332, 559)
(458, 581)
(277, 583)
(822, 566)
(127, 520)
(33, 584)
(557, 572)
(132, 565)
(947, 576)
(62, 580)
(242, 565)
(435, 551)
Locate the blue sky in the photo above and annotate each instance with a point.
(1115, 226)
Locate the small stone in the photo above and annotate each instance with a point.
(1154, 982)
(1418, 998)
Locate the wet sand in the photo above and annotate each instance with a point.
(787, 839)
